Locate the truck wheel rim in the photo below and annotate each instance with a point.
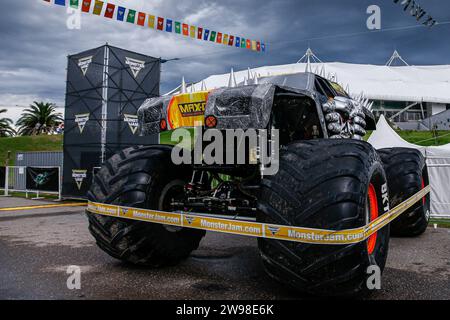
(173, 189)
(372, 214)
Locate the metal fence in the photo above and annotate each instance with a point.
(16, 177)
(16, 181)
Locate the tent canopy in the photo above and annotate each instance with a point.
(438, 163)
(404, 83)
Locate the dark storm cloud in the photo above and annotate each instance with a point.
(35, 40)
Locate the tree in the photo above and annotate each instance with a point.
(6, 129)
(39, 118)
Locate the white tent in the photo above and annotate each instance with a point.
(438, 162)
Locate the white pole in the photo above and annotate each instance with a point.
(59, 184)
(7, 182)
(104, 102)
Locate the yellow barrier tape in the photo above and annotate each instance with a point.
(44, 206)
(256, 229)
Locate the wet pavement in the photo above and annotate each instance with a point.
(37, 247)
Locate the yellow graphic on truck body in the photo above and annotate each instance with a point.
(186, 109)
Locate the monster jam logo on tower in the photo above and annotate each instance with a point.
(135, 65)
(84, 63)
(81, 120)
(79, 176)
(132, 121)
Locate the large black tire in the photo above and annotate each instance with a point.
(141, 178)
(324, 184)
(407, 174)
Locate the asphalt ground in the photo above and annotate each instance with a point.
(37, 246)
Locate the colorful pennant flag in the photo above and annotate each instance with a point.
(168, 25)
(213, 36)
(231, 41)
(120, 13)
(225, 39)
(86, 6)
(109, 12)
(219, 37)
(162, 24)
(206, 35)
(131, 16)
(151, 21)
(98, 6)
(177, 27)
(141, 19)
(185, 29)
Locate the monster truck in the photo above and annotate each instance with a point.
(328, 178)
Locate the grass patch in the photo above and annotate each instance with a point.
(421, 138)
(442, 223)
(26, 144)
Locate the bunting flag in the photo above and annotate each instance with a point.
(231, 41)
(160, 25)
(86, 6)
(219, 37)
(185, 29)
(206, 35)
(416, 11)
(98, 7)
(121, 13)
(238, 42)
(168, 25)
(213, 36)
(109, 12)
(151, 21)
(131, 16)
(141, 19)
(177, 27)
(225, 39)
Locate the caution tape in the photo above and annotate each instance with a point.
(256, 229)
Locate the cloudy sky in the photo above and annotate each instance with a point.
(36, 40)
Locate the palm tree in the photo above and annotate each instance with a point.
(39, 118)
(6, 129)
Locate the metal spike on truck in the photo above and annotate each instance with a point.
(321, 220)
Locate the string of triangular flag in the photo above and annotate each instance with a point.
(143, 19)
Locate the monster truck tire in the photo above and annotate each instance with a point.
(325, 184)
(407, 174)
(143, 178)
